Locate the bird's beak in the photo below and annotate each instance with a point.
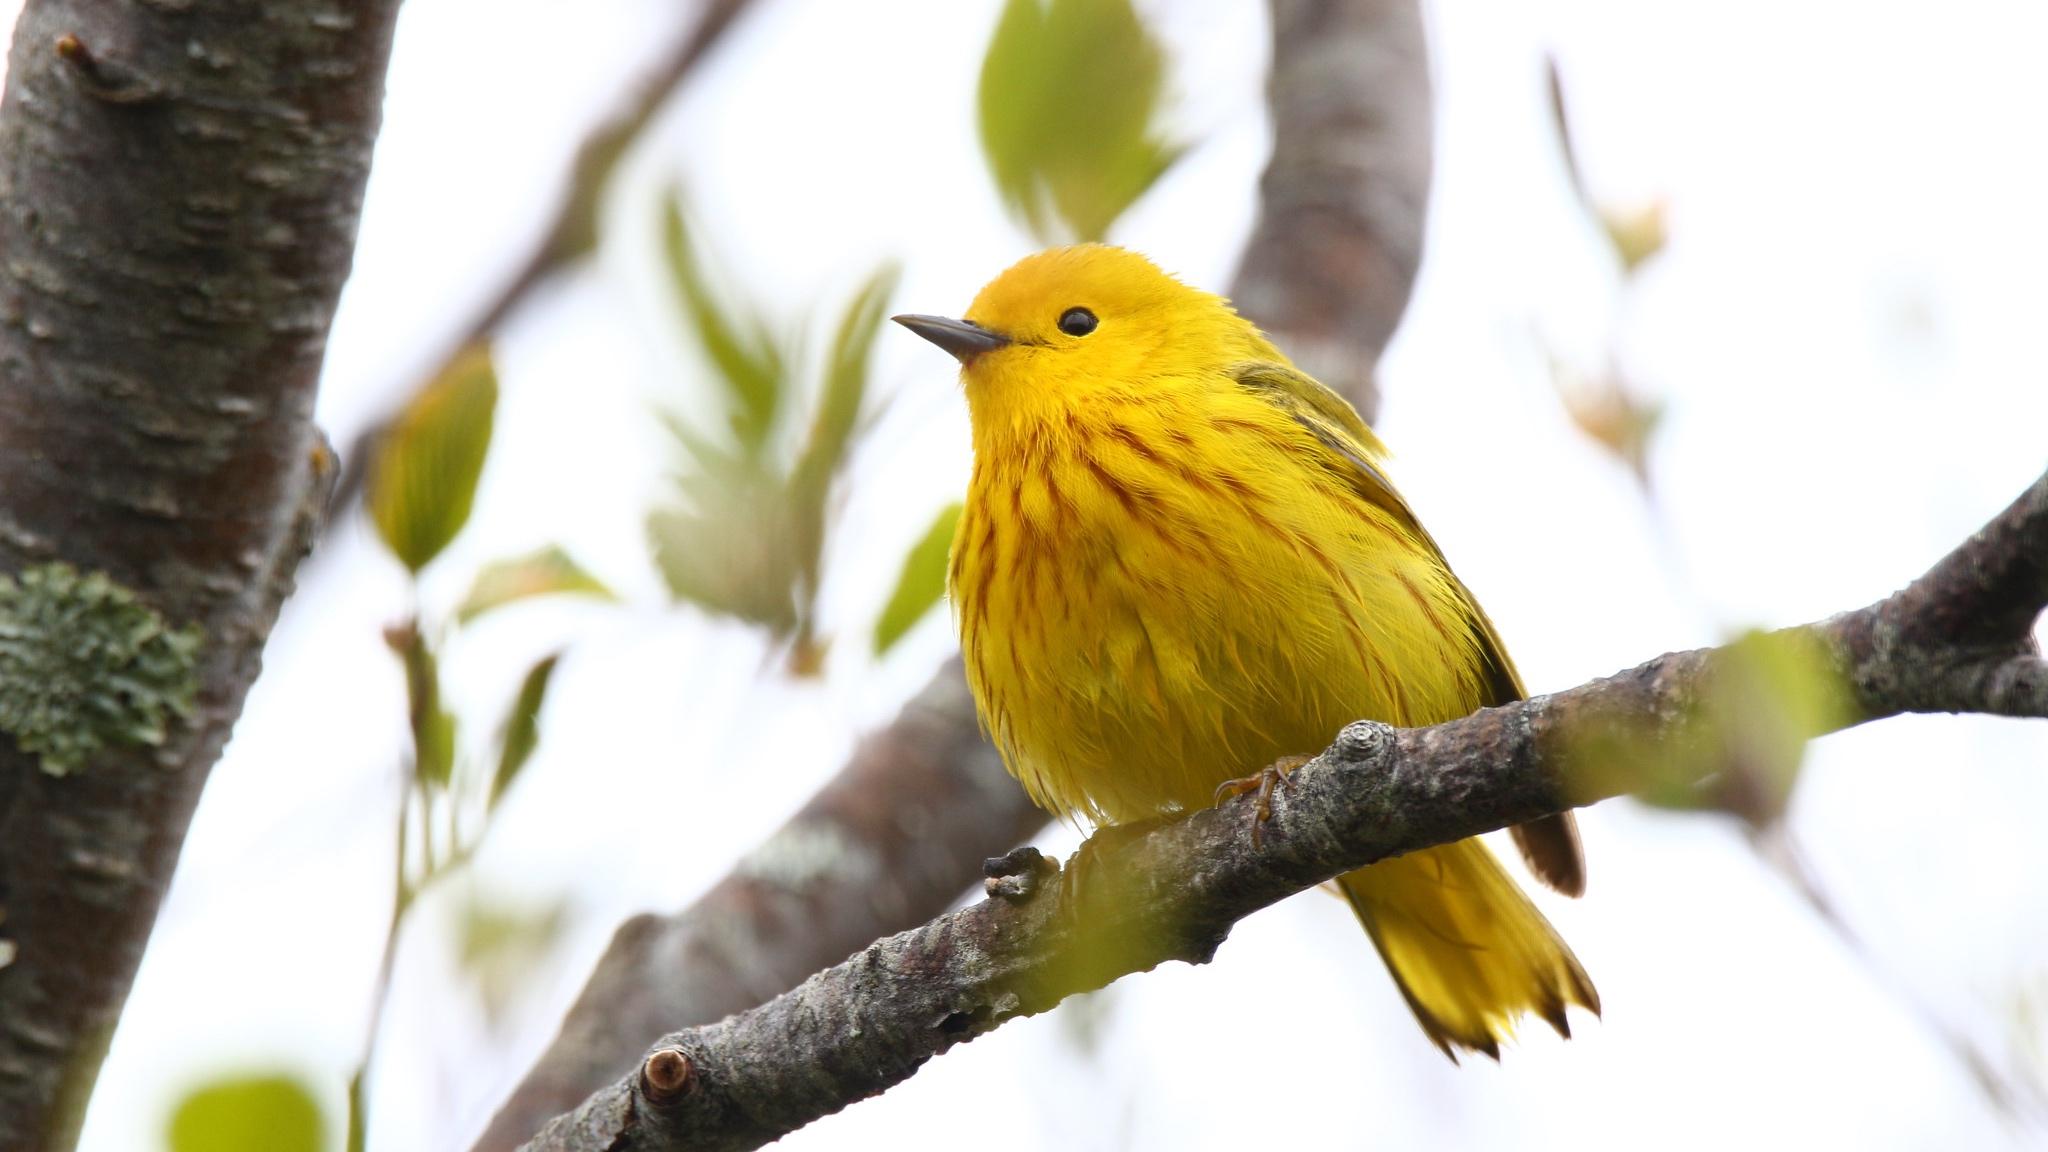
(963, 338)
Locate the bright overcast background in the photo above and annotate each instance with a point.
(1846, 328)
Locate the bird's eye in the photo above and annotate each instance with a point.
(1077, 321)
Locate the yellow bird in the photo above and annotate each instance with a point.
(1181, 561)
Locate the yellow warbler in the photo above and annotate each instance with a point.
(1181, 561)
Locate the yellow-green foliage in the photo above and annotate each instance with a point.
(84, 665)
(258, 1112)
(1072, 93)
(424, 479)
(922, 582)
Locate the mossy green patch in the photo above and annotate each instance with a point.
(85, 665)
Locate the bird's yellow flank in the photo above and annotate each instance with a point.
(1181, 561)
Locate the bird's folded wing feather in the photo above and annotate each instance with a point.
(1550, 845)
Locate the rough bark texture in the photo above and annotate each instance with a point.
(882, 844)
(179, 192)
(1958, 639)
(1355, 71)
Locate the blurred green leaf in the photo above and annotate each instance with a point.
(922, 582)
(424, 478)
(1607, 410)
(727, 547)
(1085, 1020)
(741, 348)
(522, 726)
(1740, 748)
(268, 1112)
(433, 728)
(499, 945)
(838, 409)
(1069, 93)
(1637, 233)
(745, 538)
(543, 572)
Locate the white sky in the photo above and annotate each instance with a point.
(1846, 328)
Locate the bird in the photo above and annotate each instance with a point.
(1180, 560)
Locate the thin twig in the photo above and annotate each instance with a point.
(572, 233)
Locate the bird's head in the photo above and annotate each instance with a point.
(1071, 324)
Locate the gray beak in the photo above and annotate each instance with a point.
(963, 339)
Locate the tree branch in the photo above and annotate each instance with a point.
(179, 192)
(889, 841)
(1353, 71)
(1135, 898)
(1343, 202)
(572, 233)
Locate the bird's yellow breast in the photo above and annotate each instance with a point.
(1161, 590)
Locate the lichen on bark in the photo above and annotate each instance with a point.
(85, 664)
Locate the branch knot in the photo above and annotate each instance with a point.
(667, 1075)
(1361, 740)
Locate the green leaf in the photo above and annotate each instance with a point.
(922, 582)
(545, 571)
(499, 944)
(423, 481)
(1738, 749)
(838, 410)
(433, 728)
(522, 726)
(727, 547)
(251, 1113)
(744, 352)
(1070, 92)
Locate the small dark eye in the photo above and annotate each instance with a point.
(1077, 321)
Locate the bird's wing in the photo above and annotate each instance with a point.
(1549, 845)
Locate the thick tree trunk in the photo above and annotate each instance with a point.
(180, 186)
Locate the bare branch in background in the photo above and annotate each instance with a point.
(1354, 67)
(1344, 198)
(572, 233)
(1956, 640)
(180, 187)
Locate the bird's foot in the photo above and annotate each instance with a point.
(1263, 782)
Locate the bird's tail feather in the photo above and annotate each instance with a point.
(1466, 947)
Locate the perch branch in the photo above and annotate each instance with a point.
(890, 841)
(1956, 640)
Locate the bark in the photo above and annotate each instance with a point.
(1343, 201)
(889, 841)
(179, 192)
(1354, 71)
(1958, 639)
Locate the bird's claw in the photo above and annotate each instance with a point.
(1263, 782)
